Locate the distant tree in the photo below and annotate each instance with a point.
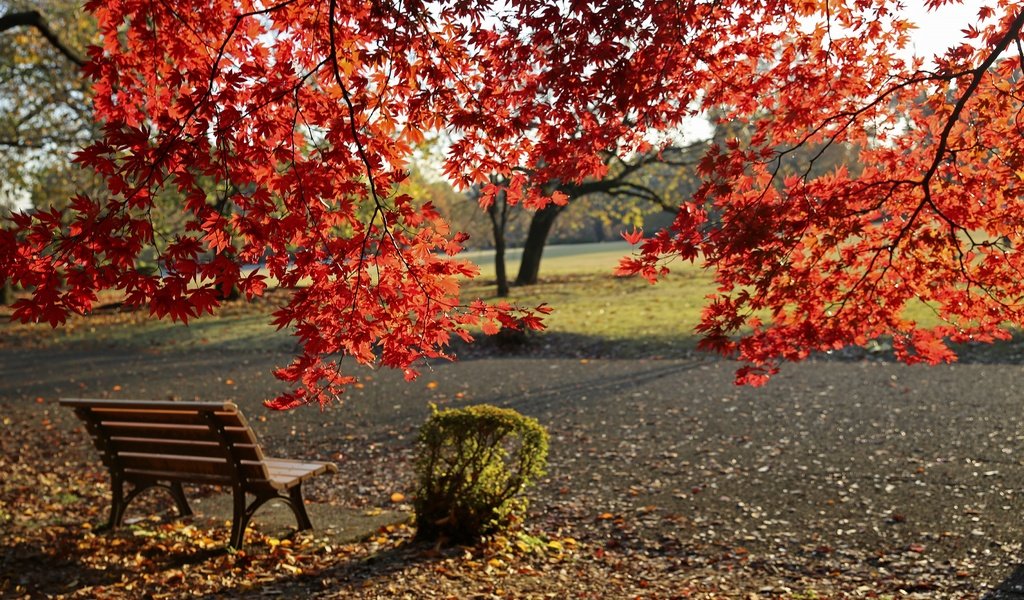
(46, 114)
(650, 179)
(460, 208)
(498, 213)
(600, 218)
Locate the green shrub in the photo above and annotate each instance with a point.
(472, 465)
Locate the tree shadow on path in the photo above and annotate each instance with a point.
(1011, 588)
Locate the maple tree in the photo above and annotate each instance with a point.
(816, 263)
(302, 115)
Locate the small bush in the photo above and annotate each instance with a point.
(472, 465)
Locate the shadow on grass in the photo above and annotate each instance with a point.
(557, 344)
(30, 569)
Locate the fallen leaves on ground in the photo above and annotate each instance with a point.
(718, 495)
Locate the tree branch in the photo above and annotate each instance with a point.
(33, 18)
(976, 77)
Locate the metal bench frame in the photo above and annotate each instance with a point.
(164, 444)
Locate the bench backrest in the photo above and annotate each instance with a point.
(200, 442)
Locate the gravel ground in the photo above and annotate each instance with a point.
(837, 479)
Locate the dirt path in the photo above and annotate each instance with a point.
(842, 479)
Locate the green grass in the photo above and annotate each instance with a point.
(594, 311)
(635, 316)
(237, 326)
(593, 308)
(638, 318)
(567, 259)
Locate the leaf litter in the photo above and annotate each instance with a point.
(664, 483)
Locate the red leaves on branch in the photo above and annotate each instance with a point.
(278, 132)
(822, 259)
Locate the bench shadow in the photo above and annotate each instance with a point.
(57, 566)
(351, 577)
(29, 570)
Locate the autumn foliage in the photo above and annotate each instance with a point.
(282, 129)
(808, 263)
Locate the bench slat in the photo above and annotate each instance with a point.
(282, 465)
(286, 473)
(148, 404)
(176, 476)
(183, 448)
(166, 417)
(252, 486)
(175, 464)
(188, 466)
(149, 454)
(193, 433)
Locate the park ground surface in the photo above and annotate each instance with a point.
(839, 479)
(851, 477)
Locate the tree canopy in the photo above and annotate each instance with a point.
(45, 113)
(302, 115)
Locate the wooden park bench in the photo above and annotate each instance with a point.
(165, 444)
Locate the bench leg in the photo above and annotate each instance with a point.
(239, 519)
(184, 510)
(299, 508)
(242, 514)
(117, 502)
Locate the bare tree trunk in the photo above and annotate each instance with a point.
(498, 212)
(6, 293)
(536, 238)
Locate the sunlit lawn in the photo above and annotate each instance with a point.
(588, 300)
(577, 281)
(567, 259)
(590, 305)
